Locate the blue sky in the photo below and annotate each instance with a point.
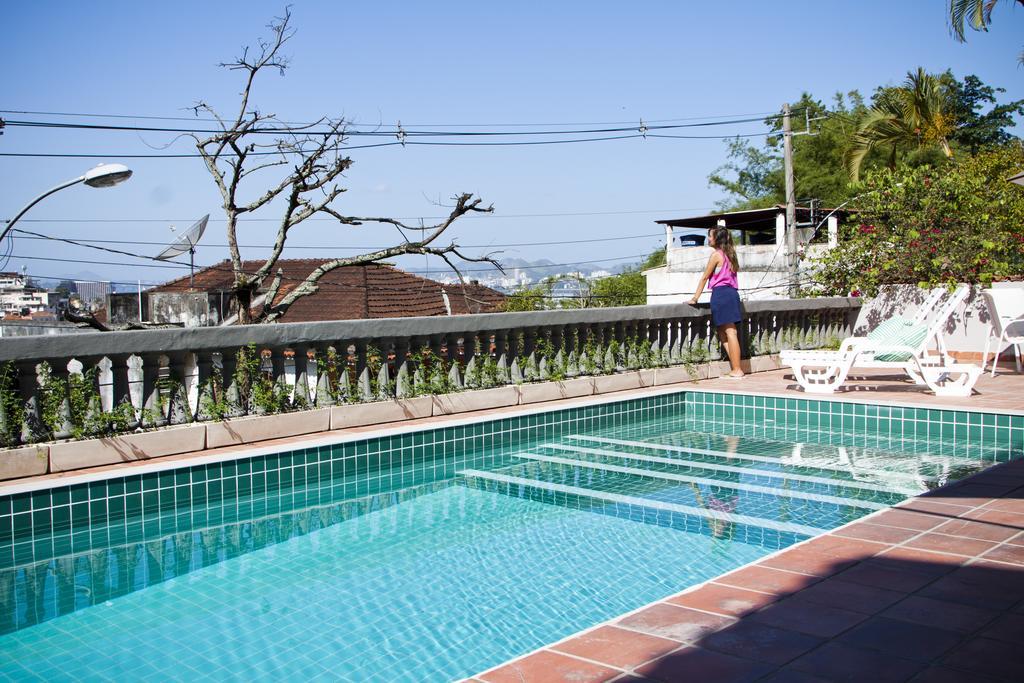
(451, 63)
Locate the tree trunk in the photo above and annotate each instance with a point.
(243, 298)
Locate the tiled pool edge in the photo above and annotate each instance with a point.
(838, 551)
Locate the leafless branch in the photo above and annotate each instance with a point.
(310, 164)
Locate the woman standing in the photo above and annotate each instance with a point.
(720, 275)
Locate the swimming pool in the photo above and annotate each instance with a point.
(435, 554)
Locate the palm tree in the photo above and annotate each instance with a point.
(917, 115)
(974, 13)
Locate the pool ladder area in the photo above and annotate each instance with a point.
(783, 488)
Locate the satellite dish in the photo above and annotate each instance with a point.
(186, 242)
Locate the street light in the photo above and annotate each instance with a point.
(104, 175)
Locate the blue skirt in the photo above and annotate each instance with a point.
(725, 306)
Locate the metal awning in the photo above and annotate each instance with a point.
(754, 220)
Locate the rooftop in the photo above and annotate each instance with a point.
(750, 220)
(352, 292)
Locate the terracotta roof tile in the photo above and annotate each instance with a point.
(353, 292)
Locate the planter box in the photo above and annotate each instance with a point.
(675, 375)
(481, 399)
(27, 461)
(718, 368)
(647, 376)
(553, 391)
(765, 363)
(604, 384)
(74, 455)
(266, 427)
(360, 414)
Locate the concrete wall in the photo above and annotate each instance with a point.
(967, 327)
(191, 309)
(28, 328)
(763, 272)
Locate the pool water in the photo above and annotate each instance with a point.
(483, 560)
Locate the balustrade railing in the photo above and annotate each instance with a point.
(98, 384)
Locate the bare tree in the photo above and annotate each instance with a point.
(253, 142)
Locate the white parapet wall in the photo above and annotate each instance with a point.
(763, 272)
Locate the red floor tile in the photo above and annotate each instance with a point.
(617, 647)
(813, 619)
(843, 547)
(836, 661)
(856, 597)
(1008, 505)
(901, 638)
(1008, 519)
(766, 580)
(955, 545)
(948, 615)
(793, 676)
(696, 664)
(972, 529)
(877, 533)
(986, 596)
(759, 642)
(549, 667)
(944, 674)
(889, 575)
(725, 600)
(939, 508)
(989, 657)
(807, 561)
(924, 561)
(907, 519)
(1009, 628)
(678, 623)
(1012, 554)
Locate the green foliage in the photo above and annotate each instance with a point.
(256, 388)
(977, 130)
(753, 176)
(12, 412)
(213, 399)
(928, 227)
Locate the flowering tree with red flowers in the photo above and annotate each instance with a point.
(963, 223)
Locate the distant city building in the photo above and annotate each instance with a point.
(92, 295)
(17, 299)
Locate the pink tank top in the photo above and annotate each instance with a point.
(725, 276)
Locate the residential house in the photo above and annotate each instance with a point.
(348, 293)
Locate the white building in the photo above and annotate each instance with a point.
(760, 238)
(17, 299)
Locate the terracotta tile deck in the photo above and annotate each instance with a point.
(931, 590)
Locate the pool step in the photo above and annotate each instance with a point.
(525, 486)
(892, 494)
(717, 495)
(913, 483)
(682, 478)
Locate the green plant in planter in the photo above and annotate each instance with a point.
(214, 402)
(694, 355)
(12, 412)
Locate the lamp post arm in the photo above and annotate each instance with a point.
(10, 223)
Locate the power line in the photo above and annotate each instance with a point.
(196, 119)
(89, 242)
(383, 132)
(400, 218)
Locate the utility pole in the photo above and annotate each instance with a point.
(787, 147)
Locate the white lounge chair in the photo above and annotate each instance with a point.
(898, 343)
(1006, 316)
